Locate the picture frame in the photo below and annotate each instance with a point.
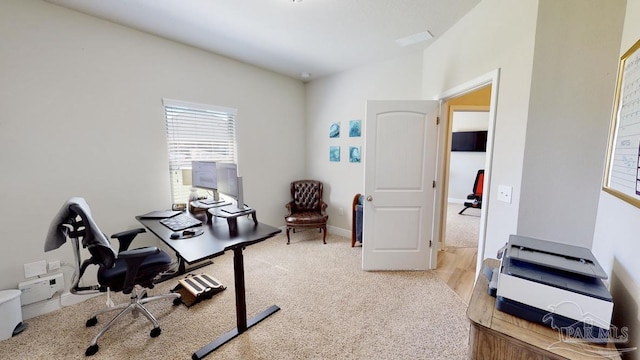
(334, 153)
(622, 170)
(334, 130)
(355, 128)
(354, 154)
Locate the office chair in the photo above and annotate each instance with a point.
(306, 209)
(127, 271)
(476, 196)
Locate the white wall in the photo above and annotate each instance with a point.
(340, 98)
(569, 111)
(82, 116)
(494, 35)
(464, 165)
(615, 240)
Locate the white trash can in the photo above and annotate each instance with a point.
(10, 313)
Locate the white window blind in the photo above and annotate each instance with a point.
(197, 132)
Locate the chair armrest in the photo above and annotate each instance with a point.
(323, 207)
(133, 259)
(289, 206)
(141, 253)
(126, 237)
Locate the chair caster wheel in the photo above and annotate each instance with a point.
(91, 322)
(155, 332)
(91, 350)
(177, 301)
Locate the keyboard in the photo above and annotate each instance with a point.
(180, 222)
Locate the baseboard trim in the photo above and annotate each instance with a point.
(330, 230)
(339, 231)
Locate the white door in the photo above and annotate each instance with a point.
(400, 163)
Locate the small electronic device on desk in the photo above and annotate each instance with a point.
(187, 233)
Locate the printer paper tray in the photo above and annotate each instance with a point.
(566, 326)
(551, 299)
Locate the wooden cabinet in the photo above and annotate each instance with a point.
(497, 335)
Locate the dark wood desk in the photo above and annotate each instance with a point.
(215, 240)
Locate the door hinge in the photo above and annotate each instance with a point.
(437, 120)
(430, 243)
(434, 184)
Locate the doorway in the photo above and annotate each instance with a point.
(459, 265)
(467, 157)
(467, 128)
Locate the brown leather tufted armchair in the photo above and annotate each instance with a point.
(307, 209)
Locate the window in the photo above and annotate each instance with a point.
(197, 132)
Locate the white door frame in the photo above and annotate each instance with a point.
(492, 78)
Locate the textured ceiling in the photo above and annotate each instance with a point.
(319, 37)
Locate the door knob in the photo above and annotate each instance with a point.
(369, 198)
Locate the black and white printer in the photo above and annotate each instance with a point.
(555, 284)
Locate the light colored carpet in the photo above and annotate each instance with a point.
(462, 230)
(330, 309)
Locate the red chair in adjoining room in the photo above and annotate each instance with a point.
(476, 196)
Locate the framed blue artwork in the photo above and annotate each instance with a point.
(334, 153)
(354, 154)
(355, 128)
(334, 130)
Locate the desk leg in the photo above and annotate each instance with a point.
(241, 309)
(241, 301)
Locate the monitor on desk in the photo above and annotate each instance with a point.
(204, 175)
(230, 184)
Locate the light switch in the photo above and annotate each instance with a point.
(504, 193)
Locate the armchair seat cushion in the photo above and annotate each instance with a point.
(306, 218)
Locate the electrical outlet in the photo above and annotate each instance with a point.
(504, 193)
(340, 211)
(35, 268)
(54, 265)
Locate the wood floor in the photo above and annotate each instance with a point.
(457, 267)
